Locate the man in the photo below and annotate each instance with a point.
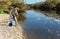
(13, 14)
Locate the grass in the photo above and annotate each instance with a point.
(1, 11)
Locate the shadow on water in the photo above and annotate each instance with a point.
(21, 17)
(40, 25)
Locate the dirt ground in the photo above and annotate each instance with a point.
(7, 32)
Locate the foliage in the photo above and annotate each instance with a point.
(21, 6)
(47, 5)
(58, 7)
(6, 5)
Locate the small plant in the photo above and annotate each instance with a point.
(1, 11)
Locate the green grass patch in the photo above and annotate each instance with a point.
(1, 11)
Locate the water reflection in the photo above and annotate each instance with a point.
(51, 13)
(39, 26)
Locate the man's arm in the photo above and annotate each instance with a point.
(16, 12)
(10, 12)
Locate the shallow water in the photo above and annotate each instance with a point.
(39, 26)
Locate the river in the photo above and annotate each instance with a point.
(40, 25)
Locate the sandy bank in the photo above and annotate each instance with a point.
(7, 32)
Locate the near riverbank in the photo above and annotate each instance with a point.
(7, 32)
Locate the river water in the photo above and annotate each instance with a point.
(40, 25)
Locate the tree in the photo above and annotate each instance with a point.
(4, 4)
(53, 1)
(15, 1)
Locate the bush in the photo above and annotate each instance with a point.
(45, 6)
(58, 7)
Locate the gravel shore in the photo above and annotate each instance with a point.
(7, 32)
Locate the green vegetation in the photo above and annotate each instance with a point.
(43, 6)
(22, 6)
(1, 11)
(6, 5)
(47, 5)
